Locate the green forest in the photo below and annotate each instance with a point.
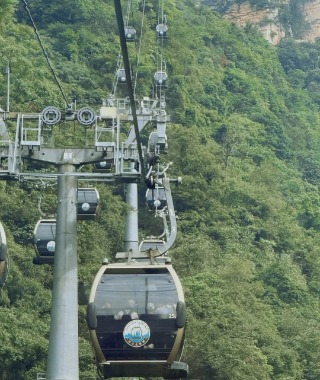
(245, 137)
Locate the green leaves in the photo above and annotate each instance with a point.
(244, 134)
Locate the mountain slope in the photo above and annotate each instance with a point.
(245, 138)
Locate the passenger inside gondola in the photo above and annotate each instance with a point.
(129, 312)
(165, 309)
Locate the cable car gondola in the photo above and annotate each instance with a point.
(130, 33)
(160, 79)
(121, 76)
(103, 166)
(136, 316)
(88, 201)
(162, 31)
(4, 261)
(157, 143)
(156, 198)
(44, 236)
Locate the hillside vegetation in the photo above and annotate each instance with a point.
(245, 137)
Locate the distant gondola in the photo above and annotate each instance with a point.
(44, 236)
(160, 79)
(103, 166)
(4, 260)
(88, 202)
(156, 198)
(157, 144)
(121, 76)
(130, 33)
(136, 317)
(162, 31)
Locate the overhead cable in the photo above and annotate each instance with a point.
(44, 51)
(123, 43)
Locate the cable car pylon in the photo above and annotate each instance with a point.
(63, 354)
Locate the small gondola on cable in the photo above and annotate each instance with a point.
(136, 317)
(88, 202)
(156, 198)
(121, 76)
(160, 79)
(162, 31)
(44, 236)
(4, 259)
(130, 33)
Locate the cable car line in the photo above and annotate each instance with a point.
(140, 44)
(160, 76)
(129, 3)
(130, 35)
(123, 43)
(45, 53)
(115, 81)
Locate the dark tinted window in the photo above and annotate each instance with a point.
(125, 299)
(46, 231)
(144, 294)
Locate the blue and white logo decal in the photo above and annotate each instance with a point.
(85, 206)
(136, 333)
(51, 246)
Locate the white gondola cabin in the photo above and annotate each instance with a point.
(121, 76)
(130, 33)
(136, 317)
(160, 79)
(162, 31)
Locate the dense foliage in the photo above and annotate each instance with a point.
(245, 136)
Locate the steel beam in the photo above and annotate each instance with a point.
(63, 358)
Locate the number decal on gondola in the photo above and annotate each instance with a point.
(136, 333)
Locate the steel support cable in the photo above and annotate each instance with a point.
(162, 12)
(128, 13)
(115, 81)
(139, 49)
(119, 61)
(44, 52)
(123, 43)
(159, 57)
(159, 11)
(126, 24)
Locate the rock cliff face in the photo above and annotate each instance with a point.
(272, 25)
(267, 20)
(312, 16)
